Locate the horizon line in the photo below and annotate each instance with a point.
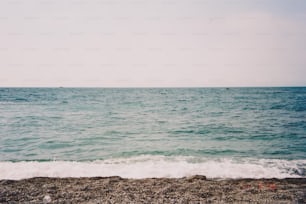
(152, 87)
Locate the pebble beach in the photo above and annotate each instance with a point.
(194, 189)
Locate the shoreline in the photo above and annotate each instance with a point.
(194, 189)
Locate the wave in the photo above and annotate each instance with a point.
(157, 166)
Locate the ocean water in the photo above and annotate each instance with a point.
(158, 132)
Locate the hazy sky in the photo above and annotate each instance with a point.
(124, 43)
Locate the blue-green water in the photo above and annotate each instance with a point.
(190, 128)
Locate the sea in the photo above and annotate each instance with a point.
(221, 133)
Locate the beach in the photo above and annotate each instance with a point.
(137, 101)
(194, 189)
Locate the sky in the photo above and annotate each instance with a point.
(152, 43)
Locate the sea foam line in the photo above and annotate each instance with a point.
(156, 166)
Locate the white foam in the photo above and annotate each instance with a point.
(156, 166)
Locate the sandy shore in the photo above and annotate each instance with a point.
(196, 189)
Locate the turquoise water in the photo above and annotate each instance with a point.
(193, 125)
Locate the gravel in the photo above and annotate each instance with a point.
(195, 189)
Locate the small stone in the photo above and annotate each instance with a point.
(47, 199)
